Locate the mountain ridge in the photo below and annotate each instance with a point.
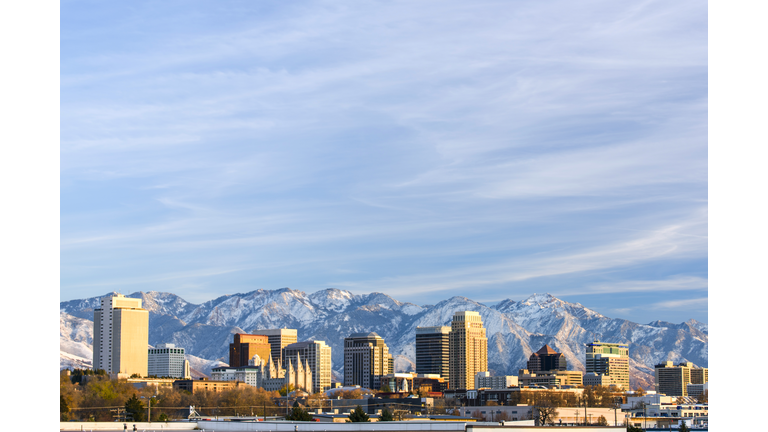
(514, 329)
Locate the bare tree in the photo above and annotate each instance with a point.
(703, 397)
(544, 413)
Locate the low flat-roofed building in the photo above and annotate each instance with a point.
(192, 386)
(551, 378)
(485, 380)
(598, 379)
(151, 382)
(508, 396)
(694, 390)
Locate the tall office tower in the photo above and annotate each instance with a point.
(318, 357)
(609, 359)
(546, 359)
(467, 350)
(673, 380)
(278, 339)
(366, 360)
(245, 346)
(165, 360)
(432, 350)
(699, 375)
(120, 336)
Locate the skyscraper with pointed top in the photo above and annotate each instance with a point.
(546, 359)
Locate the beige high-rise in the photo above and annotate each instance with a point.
(278, 339)
(121, 336)
(467, 350)
(318, 357)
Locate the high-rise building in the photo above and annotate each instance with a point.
(366, 360)
(120, 336)
(546, 359)
(432, 347)
(673, 380)
(318, 358)
(278, 339)
(609, 359)
(467, 349)
(245, 346)
(699, 375)
(166, 360)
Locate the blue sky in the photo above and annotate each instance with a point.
(488, 149)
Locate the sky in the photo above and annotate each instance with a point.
(487, 149)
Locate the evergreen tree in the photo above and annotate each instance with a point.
(684, 427)
(298, 414)
(358, 415)
(631, 428)
(385, 415)
(63, 408)
(135, 408)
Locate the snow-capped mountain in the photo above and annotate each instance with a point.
(514, 329)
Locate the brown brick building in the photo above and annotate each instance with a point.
(245, 346)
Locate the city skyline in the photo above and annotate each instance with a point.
(486, 150)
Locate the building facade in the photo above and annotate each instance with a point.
(245, 346)
(166, 360)
(546, 359)
(193, 386)
(467, 350)
(318, 358)
(609, 359)
(268, 374)
(596, 379)
(366, 360)
(673, 380)
(278, 339)
(432, 351)
(120, 336)
(556, 378)
(485, 380)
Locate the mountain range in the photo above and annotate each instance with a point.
(515, 329)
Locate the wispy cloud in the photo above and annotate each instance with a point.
(398, 147)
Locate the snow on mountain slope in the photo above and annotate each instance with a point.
(515, 329)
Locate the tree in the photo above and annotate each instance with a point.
(631, 428)
(544, 412)
(639, 391)
(601, 421)
(385, 389)
(358, 416)
(298, 414)
(163, 417)
(385, 415)
(63, 408)
(135, 408)
(703, 397)
(284, 390)
(683, 427)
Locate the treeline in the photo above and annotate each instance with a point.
(99, 399)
